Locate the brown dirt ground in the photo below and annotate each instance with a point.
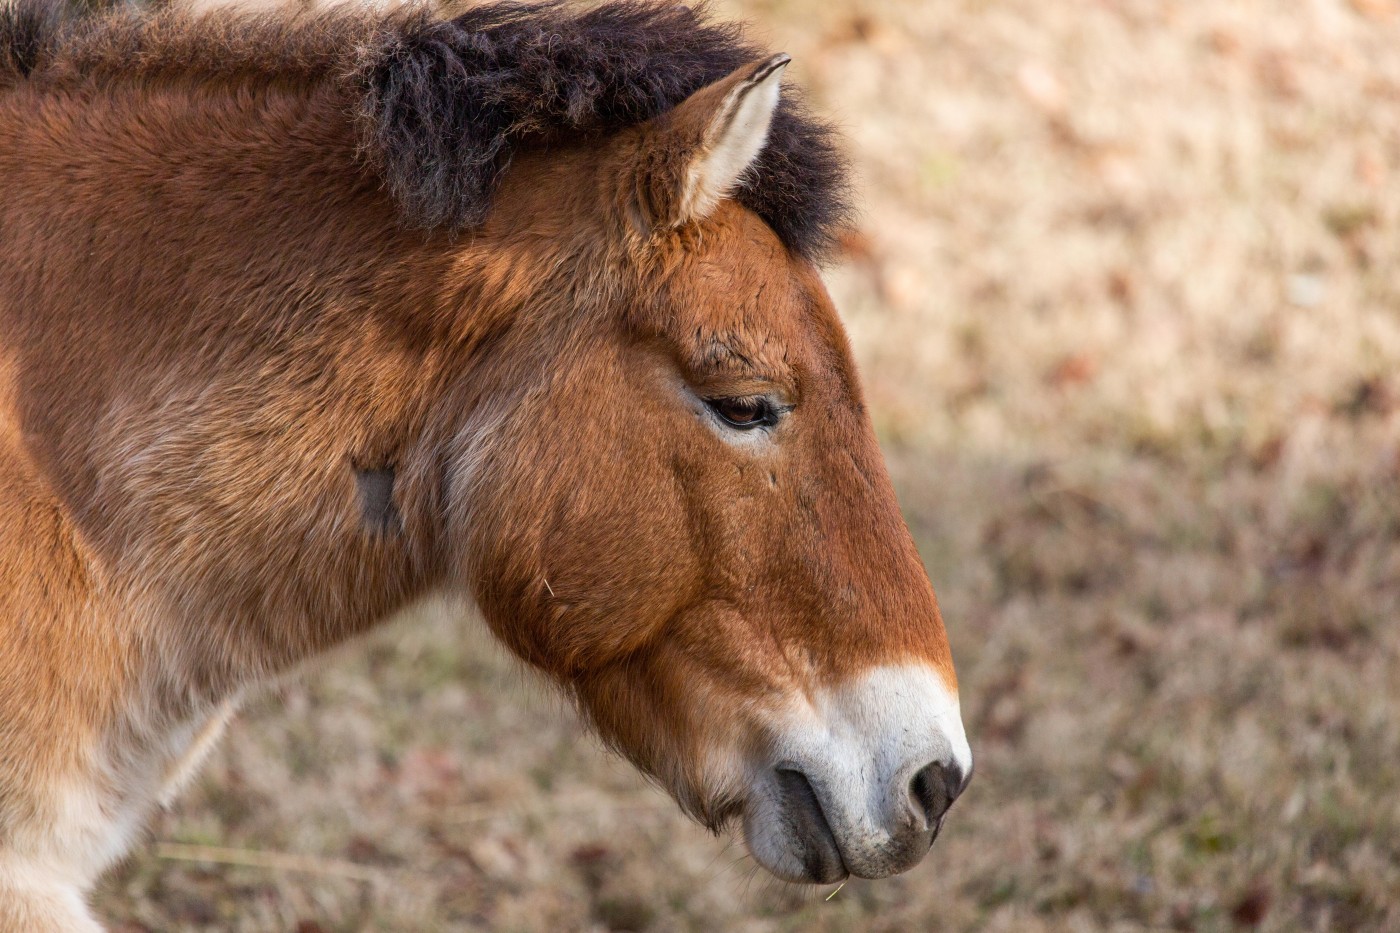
(1126, 302)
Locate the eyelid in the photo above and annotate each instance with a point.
(716, 386)
(770, 410)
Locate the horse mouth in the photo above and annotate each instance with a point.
(814, 842)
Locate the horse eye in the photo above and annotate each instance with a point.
(744, 414)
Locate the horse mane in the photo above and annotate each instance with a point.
(441, 104)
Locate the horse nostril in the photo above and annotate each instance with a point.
(816, 844)
(934, 788)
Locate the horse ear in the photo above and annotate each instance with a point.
(697, 153)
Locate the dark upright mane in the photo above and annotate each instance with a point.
(443, 103)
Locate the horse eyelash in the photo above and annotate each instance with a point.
(772, 412)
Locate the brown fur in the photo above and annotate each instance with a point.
(211, 321)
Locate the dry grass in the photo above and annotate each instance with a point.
(1126, 302)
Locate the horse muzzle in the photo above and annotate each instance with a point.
(860, 779)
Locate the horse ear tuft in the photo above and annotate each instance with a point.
(697, 155)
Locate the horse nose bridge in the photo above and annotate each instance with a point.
(896, 720)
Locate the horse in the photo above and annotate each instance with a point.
(308, 319)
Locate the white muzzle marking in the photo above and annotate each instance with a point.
(859, 778)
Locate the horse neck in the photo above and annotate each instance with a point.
(264, 354)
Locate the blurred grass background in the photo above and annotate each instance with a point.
(1126, 302)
